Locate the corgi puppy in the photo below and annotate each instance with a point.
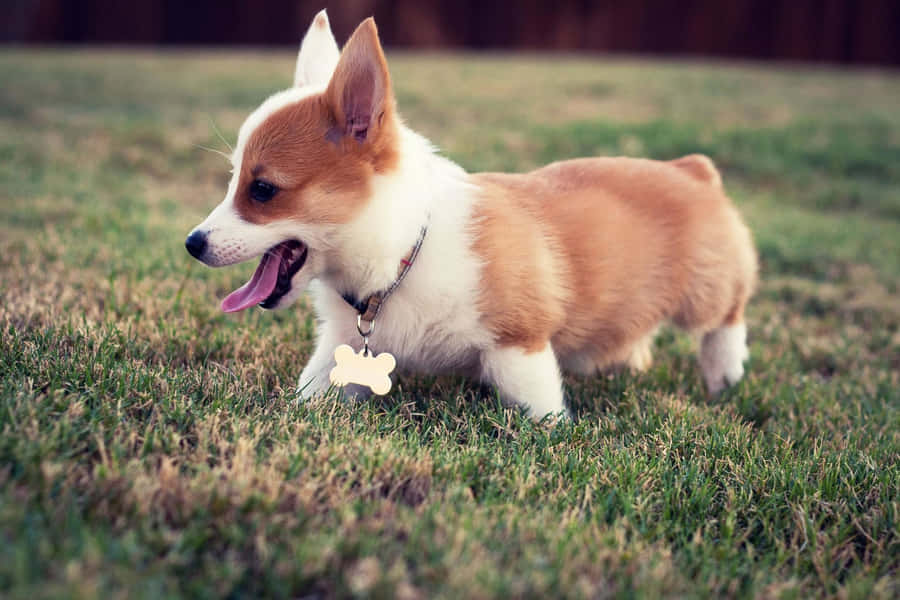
(515, 277)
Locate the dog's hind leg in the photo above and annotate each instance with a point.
(641, 355)
(723, 347)
(637, 357)
(530, 379)
(722, 354)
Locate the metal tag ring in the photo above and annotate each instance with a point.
(359, 328)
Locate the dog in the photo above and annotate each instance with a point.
(511, 278)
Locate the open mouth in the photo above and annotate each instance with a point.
(272, 278)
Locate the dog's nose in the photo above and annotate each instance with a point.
(196, 244)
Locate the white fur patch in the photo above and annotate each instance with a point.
(430, 322)
(531, 380)
(722, 355)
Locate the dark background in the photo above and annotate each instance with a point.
(846, 31)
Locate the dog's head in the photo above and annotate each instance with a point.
(303, 166)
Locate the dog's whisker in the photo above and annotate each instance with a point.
(213, 150)
(221, 137)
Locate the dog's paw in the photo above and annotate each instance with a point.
(722, 355)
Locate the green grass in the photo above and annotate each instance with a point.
(149, 445)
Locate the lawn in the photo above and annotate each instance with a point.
(150, 445)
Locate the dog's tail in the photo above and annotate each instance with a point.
(700, 167)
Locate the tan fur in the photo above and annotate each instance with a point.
(699, 167)
(632, 243)
(323, 174)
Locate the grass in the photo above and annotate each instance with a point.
(149, 445)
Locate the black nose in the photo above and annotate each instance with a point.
(196, 244)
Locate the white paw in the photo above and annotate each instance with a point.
(722, 355)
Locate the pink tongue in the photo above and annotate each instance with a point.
(258, 288)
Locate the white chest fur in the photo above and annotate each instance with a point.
(430, 323)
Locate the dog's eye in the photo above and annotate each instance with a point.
(262, 191)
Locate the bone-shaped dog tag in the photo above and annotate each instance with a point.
(362, 368)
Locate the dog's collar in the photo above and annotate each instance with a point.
(368, 308)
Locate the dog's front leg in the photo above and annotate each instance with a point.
(314, 378)
(531, 379)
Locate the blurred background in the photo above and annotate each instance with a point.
(836, 31)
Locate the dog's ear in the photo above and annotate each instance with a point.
(318, 53)
(360, 90)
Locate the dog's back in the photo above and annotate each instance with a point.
(593, 253)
